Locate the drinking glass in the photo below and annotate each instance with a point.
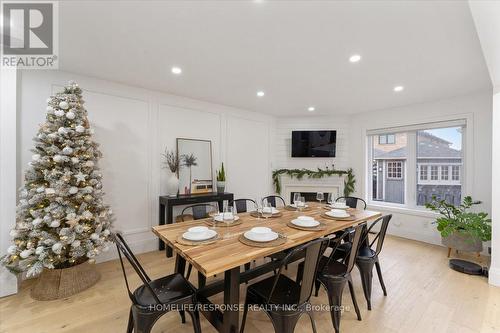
(258, 207)
(302, 203)
(296, 199)
(320, 197)
(329, 198)
(228, 215)
(267, 210)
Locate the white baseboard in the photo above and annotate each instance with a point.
(494, 276)
(138, 246)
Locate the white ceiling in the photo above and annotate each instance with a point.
(296, 51)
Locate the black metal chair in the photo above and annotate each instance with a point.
(352, 201)
(283, 299)
(242, 205)
(154, 298)
(274, 199)
(199, 211)
(367, 257)
(334, 275)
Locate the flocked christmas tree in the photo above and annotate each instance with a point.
(61, 218)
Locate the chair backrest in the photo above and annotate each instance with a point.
(349, 258)
(199, 211)
(273, 199)
(312, 252)
(123, 248)
(380, 235)
(242, 205)
(353, 201)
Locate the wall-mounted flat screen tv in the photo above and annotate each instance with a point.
(314, 143)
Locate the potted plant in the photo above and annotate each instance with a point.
(172, 162)
(461, 228)
(221, 179)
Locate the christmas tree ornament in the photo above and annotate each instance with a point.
(64, 105)
(58, 228)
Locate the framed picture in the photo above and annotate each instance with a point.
(195, 175)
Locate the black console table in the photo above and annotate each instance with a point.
(167, 204)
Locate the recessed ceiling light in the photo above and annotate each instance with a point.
(398, 88)
(176, 70)
(311, 108)
(260, 93)
(355, 58)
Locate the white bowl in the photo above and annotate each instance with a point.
(305, 223)
(305, 218)
(300, 206)
(198, 230)
(339, 205)
(261, 236)
(197, 236)
(338, 213)
(261, 230)
(220, 218)
(270, 209)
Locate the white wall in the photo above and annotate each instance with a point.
(476, 108)
(8, 170)
(133, 127)
(283, 136)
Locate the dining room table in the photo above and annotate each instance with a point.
(228, 253)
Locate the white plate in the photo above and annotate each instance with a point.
(259, 237)
(305, 223)
(219, 218)
(199, 236)
(337, 215)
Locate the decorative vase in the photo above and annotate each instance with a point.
(221, 186)
(61, 283)
(172, 185)
(463, 242)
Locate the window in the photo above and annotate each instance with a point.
(444, 172)
(395, 170)
(387, 139)
(412, 164)
(388, 168)
(434, 172)
(455, 172)
(423, 172)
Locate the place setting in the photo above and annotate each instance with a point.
(266, 211)
(262, 237)
(338, 215)
(307, 223)
(227, 218)
(199, 235)
(299, 204)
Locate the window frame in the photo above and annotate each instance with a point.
(398, 164)
(411, 178)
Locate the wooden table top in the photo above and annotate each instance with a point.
(228, 252)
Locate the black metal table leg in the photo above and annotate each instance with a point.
(161, 217)
(231, 300)
(169, 221)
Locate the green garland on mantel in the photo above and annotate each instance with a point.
(349, 180)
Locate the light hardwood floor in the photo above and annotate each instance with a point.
(424, 295)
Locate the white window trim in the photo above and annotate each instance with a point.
(467, 171)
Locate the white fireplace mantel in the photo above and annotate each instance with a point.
(330, 184)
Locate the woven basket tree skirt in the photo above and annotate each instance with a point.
(60, 283)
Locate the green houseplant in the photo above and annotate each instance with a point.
(460, 227)
(221, 179)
